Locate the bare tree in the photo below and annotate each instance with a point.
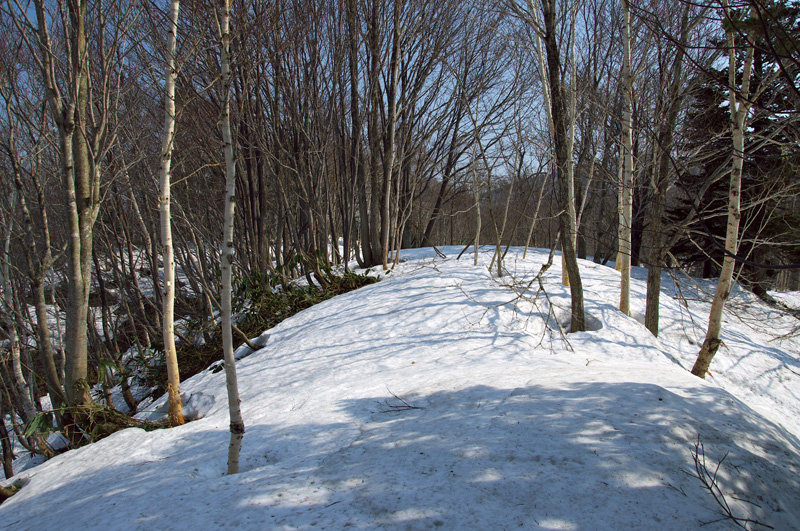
(80, 64)
(543, 18)
(626, 186)
(390, 128)
(234, 403)
(671, 92)
(563, 159)
(38, 251)
(739, 100)
(168, 301)
(9, 310)
(68, 107)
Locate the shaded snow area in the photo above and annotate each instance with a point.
(434, 399)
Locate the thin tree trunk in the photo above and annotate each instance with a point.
(374, 134)
(563, 159)
(5, 442)
(626, 191)
(8, 298)
(391, 122)
(37, 265)
(570, 116)
(168, 297)
(660, 184)
(234, 403)
(533, 221)
(739, 108)
(476, 186)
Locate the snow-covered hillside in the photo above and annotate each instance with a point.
(435, 399)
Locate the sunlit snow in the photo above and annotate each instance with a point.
(436, 400)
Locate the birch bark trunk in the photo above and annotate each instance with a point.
(740, 108)
(234, 403)
(168, 298)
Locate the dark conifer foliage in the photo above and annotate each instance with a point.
(769, 226)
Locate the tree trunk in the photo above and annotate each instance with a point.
(168, 297)
(377, 190)
(86, 201)
(70, 117)
(9, 299)
(391, 126)
(476, 187)
(661, 169)
(739, 108)
(8, 450)
(234, 403)
(626, 194)
(563, 166)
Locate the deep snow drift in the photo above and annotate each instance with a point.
(434, 399)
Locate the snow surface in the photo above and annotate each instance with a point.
(433, 399)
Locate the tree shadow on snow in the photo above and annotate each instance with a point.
(588, 456)
(585, 457)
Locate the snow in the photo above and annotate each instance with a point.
(433, 399)
(789, 298)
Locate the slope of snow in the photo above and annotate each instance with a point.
(433, 399)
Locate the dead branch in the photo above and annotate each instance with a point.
(709, 481)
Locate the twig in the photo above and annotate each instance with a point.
(464, 250)
(711, 484)
(403, 406)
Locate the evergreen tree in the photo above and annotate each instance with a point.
(770, 215)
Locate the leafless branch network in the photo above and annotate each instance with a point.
(703, 470)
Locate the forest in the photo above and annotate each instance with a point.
(172, 171)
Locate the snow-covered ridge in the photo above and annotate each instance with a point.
(433, 399)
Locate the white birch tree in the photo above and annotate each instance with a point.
(234, 403)
(168, 301)
(740, 104)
